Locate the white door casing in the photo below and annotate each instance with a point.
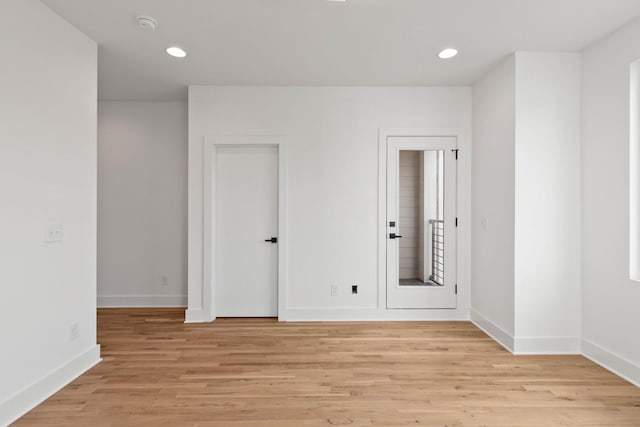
(207, 311)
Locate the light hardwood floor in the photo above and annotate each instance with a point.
(238, 372)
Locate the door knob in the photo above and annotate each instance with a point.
(272, 240)
(394, 236)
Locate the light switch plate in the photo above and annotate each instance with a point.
(53, 233)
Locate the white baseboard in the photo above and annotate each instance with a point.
(526, 345)
(369, 314)
(547, 345)
(126, 301)
(348, 314)
(502, 337)
(31, 396)
(612, 362)
(196, 315)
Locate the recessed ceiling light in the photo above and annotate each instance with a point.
(448, 53)
(176, 52)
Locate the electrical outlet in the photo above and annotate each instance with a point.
(354, 289)
(53, 233)
(74, 331)
(164, 280)
(484, 223)
(334, 290)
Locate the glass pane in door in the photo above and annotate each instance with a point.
(421, 218)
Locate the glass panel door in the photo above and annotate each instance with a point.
(421, 265)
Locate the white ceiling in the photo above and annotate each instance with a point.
(318, 42)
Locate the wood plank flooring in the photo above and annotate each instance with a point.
(236, 372)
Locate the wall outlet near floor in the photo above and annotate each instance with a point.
(164, 280)
(354, 289)
(334, 290)
(74, 331)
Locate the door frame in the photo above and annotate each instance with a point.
(209, 220)
(463, 244)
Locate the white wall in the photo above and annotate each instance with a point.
(526, 203)
(493, 202)
(547, 202)
(47, 175)
(610, 314)
(332, 162)
(142, 204)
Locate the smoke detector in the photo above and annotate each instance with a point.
(147, 23)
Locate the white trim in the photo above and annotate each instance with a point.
(547, 345)
(208, 286)
(609, 360)
(525, 345)
(208, 231)
(498, 334)
(370, 314)
(192, 315)
(115, 301)
(36, 393)
(634, 173)
(463, 212)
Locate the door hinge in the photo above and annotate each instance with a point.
(456, 289)
(456, 221)
(455, 150)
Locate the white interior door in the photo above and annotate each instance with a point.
(246, 206)
(421, 222)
